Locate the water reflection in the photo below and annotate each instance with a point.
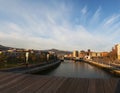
(78, 69)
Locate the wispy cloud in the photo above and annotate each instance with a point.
(95, 17)
(84, 10)
(111, 20)
(48, 26)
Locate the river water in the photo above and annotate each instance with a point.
(77, 69)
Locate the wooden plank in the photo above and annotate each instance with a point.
(92, 86)
(73, 86)
(99, 86)
(68, 86)
(26, 83)
(12, 87)
(65, 86)
(4, 74)
(82, 86)
(59, 85)
(117, 90)
(36, 85)
(54, 86)
(114, 82)
(108, 86)
(12, 83)
(116, 85)
(8, 78)
(28, 80)
(46, 86)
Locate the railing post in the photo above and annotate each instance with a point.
(27, 56)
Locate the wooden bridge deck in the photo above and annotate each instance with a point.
(26, 83)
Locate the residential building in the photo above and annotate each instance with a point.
(104, 54)
(75, 53)
(98, 54)
(82, 54)
(93, 54)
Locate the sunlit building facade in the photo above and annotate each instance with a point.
(75, 53)
(82, 54)
(118, 51)
(104, 54)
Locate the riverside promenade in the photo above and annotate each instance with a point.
(111, 68)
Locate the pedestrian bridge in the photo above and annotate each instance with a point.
(27, 83)
(14, 82)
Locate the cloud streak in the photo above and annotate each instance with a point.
(49, 26)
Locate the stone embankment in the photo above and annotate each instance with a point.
(109, 68)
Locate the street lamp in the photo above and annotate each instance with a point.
(48, 57)
(27, 56)
(109, 63)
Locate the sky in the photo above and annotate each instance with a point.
(61, 24)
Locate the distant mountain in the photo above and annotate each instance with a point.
(4, 47)
(60, 52)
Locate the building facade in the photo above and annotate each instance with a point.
(75, 53)
(118, 51)
(104, 54)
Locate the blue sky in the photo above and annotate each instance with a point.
(61, 24)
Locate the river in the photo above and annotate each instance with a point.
(77, 69)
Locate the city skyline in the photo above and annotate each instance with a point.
(60, 24)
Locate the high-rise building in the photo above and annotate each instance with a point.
(75, 53)
(118, 51)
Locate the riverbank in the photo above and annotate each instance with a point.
(31, 68)
(108, 68)
(42, 68)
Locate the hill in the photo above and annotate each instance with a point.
(60, 52)
(4, 47)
